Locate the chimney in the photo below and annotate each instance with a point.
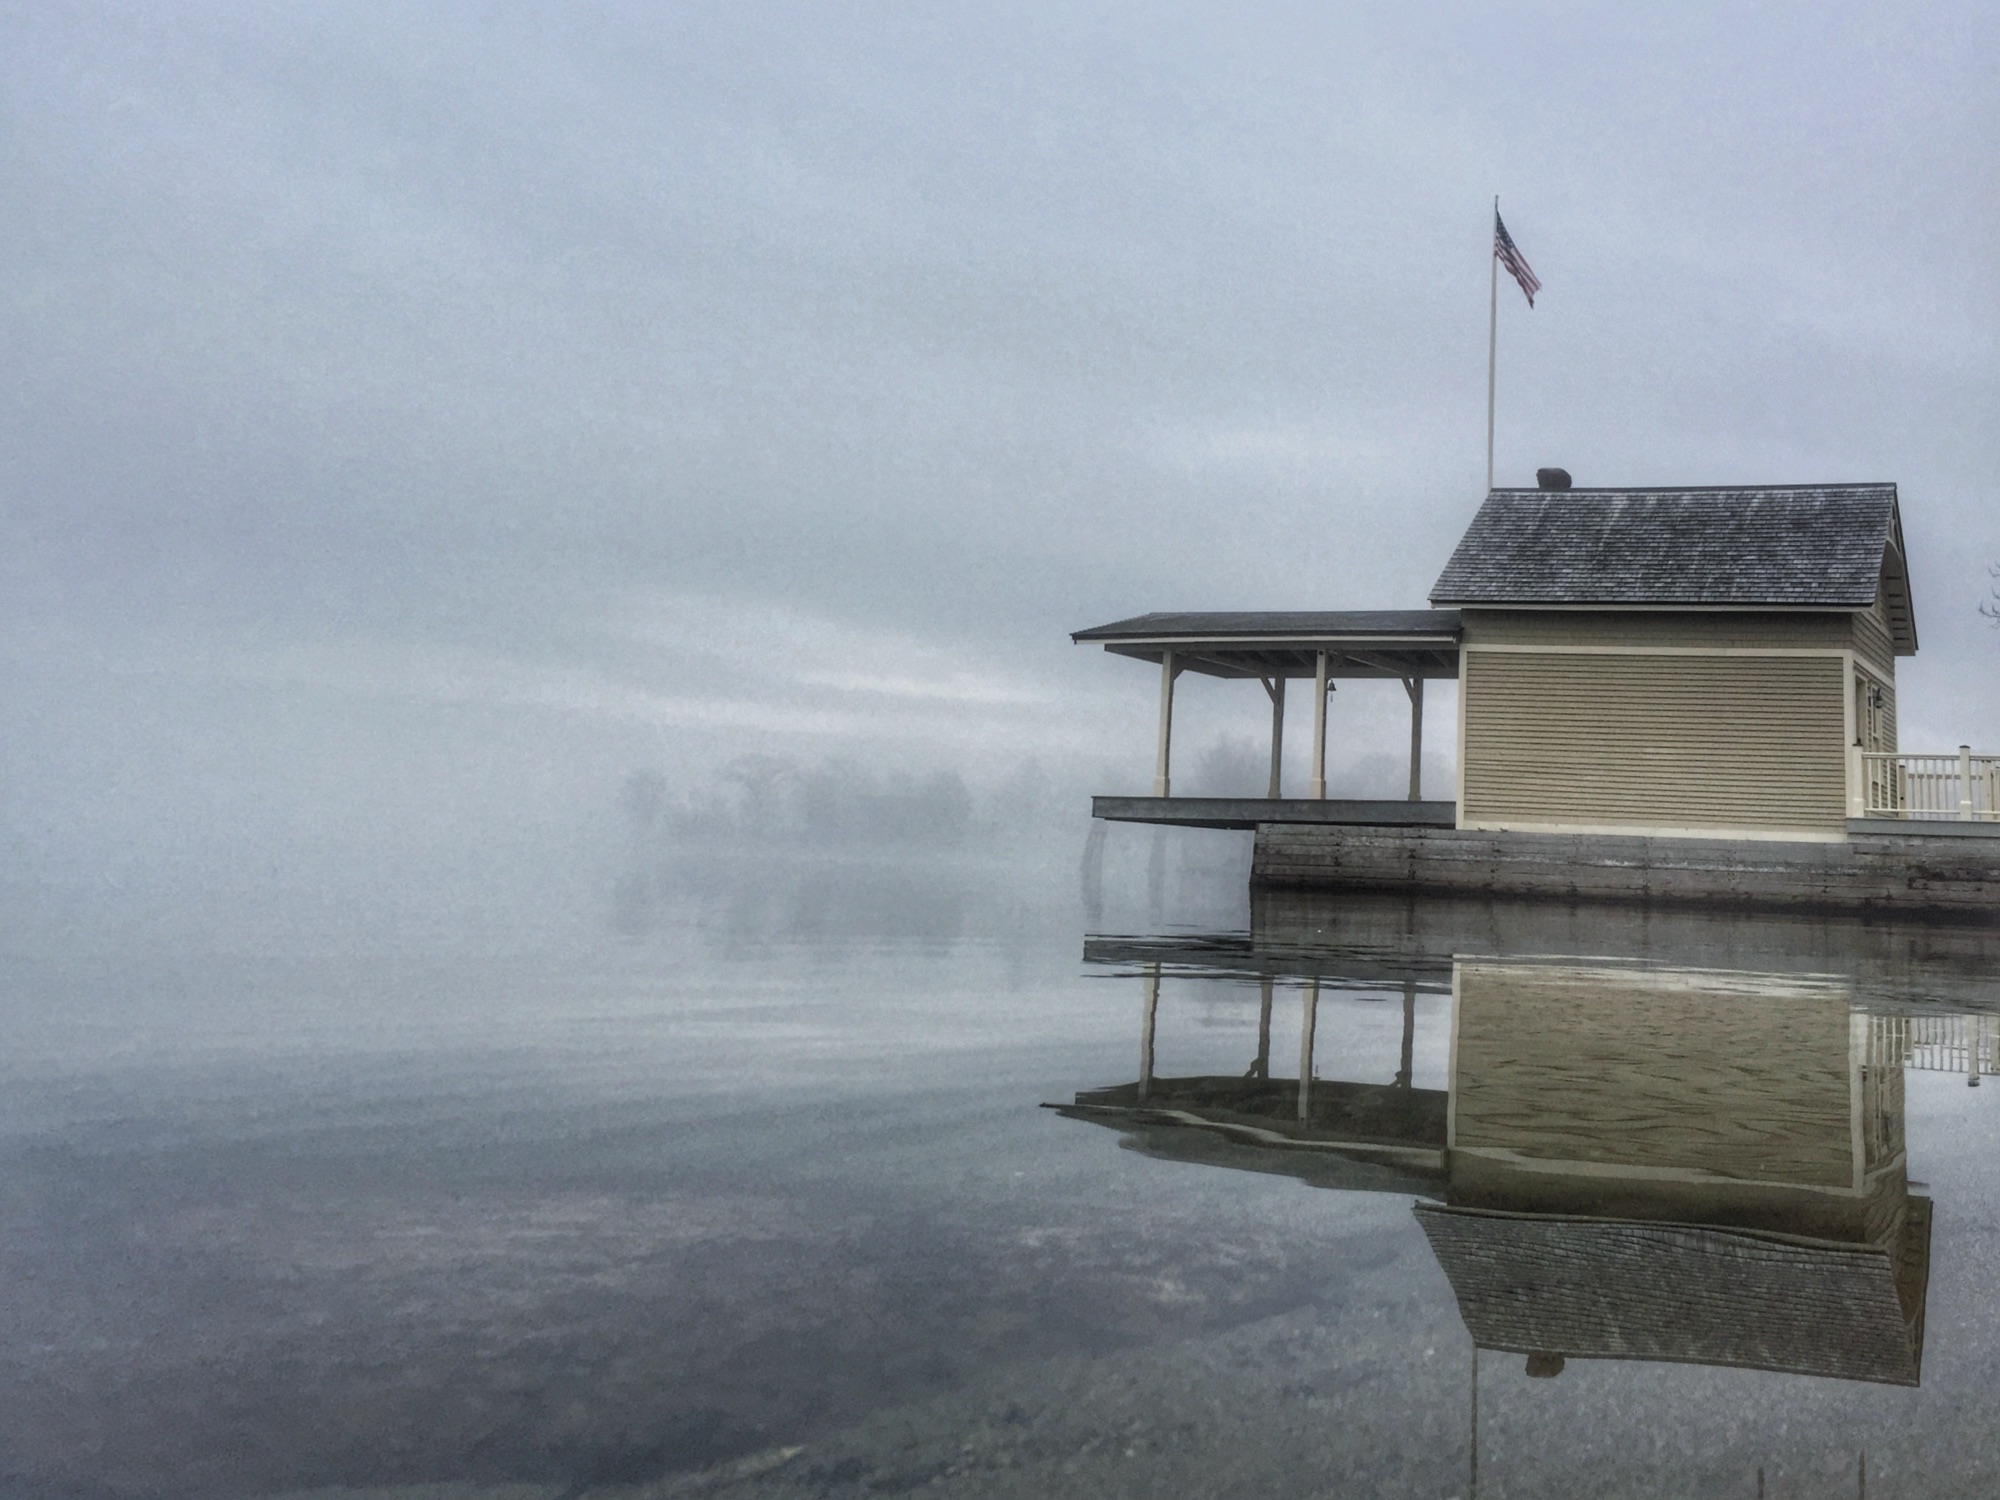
(1552, 479)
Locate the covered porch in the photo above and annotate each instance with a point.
(1273, 649)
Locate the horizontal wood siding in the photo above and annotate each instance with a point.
(1695, 628)
(1873, 642)
(1668, 741)
(1565, 1063)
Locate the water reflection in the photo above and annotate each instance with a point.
(1649, 1145)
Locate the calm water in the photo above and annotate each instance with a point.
(754, 1208)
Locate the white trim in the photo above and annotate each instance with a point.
(1857, 1052)
(1651, 975)
(1541, 650)
(1459, 801)
(1850, 737)
(1886, 682)
(1451, 1067)
(1850, 719)
(1634, 830)
(1694, 1176)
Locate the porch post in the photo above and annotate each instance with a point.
(1318, 788)
(1965, 782)
(1306, 1029)
(1414, 686)
(1276, 688)
(1162, 780)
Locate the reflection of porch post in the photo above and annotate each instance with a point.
(1261, 1068)
(1318, 789)
(1414, 686)
(1146, 1031)
(1276, 688)
(1306, 1049)
(1409, 1032)
(1162, 781)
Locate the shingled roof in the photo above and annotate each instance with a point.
(1682, 1293)
(1804, 546)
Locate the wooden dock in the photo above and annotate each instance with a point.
(1949, 870)
(1253, 812)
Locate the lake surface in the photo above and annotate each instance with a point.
(769, 1207)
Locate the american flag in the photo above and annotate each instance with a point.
(1508, 256)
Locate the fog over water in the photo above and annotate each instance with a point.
(544, 859)
(418, 422)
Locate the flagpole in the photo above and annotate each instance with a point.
(1492, 338)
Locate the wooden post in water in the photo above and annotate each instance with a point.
(1146, 1032)
(1261, 1068)
(1306, 1027)
(1403, 1073)
(1472, 1441)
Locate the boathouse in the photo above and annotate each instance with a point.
(1641, 671)
(1677, 661)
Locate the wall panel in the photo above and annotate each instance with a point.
(1653, 740)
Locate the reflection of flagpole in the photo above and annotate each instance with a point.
(1472, 1450)
(1492, 342)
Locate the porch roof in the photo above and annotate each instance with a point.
(1402, 643)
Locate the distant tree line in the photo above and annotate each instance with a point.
(835, 804)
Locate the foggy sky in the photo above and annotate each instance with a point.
(419, 418)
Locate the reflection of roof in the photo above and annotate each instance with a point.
(1816, 546)
(1624, 1289)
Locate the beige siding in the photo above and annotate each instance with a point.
(1666, 741)
(1874, 642)
(1729, 1075)
(1693, 628)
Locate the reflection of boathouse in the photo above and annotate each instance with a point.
(1679, 1165)
(1631, 1161)
(1669, 695)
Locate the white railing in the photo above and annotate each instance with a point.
(1963, 786)
(1936, 1044)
